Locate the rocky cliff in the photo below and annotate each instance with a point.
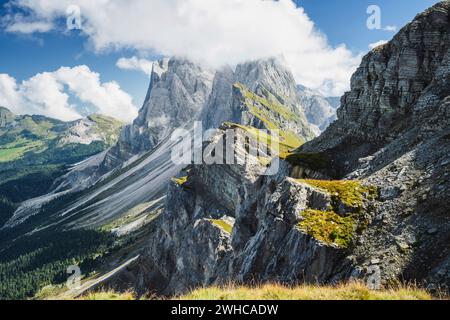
(393, 131)
(178, 92)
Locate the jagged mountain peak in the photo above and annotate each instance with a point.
(171, 80)
(271, 81)
(270, 73)
(178, 92)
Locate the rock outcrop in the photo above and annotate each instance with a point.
(393, 131)
(319, 110)
(366, 200)
(227, 223)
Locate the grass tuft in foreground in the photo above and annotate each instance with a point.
(348, 291)
(351, 291)
(108, 295)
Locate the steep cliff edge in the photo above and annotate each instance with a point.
(393, 131)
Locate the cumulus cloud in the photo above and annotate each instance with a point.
(215, 32)
(377, 44)
(135, 63)
(9, 94)
(49, 94)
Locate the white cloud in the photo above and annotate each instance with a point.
(29, 27)
(391, 28)
(9, 95)
(377, 44)
(135, 63)
(49, 94)
(213, 32)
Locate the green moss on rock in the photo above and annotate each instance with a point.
(349, 192)
(331, 227)
(328, 227)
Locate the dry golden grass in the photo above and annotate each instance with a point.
(108, 295)
(351, 291)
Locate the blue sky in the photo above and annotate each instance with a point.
(345, 20)
(342, 22)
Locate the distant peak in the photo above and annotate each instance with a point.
(4, 110)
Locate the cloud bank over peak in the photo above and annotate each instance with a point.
(135, 63)
(50, 93)
(213, 32)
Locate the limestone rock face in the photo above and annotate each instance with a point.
(393, 131)
(232, 223)
(265, 83)
(179, 90)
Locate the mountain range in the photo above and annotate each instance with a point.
(35, 150)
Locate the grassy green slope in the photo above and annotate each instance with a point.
(32, 155)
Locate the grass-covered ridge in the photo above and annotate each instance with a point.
(108, 127)
(274, 115)
(39, 139)
(35, 150)
(275, 142)
(350, 192)
(108, 295)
